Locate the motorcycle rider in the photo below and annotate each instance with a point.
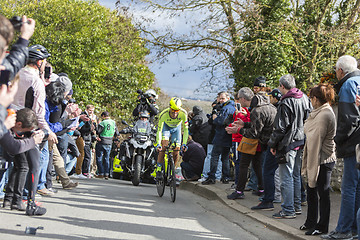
(170, 122)
(147, 102)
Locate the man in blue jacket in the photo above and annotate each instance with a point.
(222, 140)
(346, 138)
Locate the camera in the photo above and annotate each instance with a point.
(30, 133)
(17, 22)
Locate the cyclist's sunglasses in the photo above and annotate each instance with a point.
(174, 110)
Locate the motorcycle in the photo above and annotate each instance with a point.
(137, 154)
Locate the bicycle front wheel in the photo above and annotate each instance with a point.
(172, 179)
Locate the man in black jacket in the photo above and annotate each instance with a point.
(286, 142)
(193, 160)
(19, 52)
(199, 127)
(346, 138)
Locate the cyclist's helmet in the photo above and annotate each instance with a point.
(144, 114)
(152, 93)
(38, 52)
(175, 103)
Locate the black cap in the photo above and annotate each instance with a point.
(105, 114)
(276, 94)
(260, 81)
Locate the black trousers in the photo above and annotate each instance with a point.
(245, 160)
(49, 171)
(26, 170)
(318, 198)
(87, 158)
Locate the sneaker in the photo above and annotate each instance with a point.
(258, 193)
(314, 232)
(6, 204)
(208, 181)
(202, 179)
(337, 235)
(20, 206)
(53, 190)
(33, 210)
(304, 227)
(159, 175)
(45, 192)
(355, 235)
(225, 181)
(298, 211)
(78, 176)
(236, 195)
(71, 185)
(281, 214)
(100, 176)
(233, 187)
(304, 203)
(264, 206)
(106, 177)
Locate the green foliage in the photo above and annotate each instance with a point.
(99, 49)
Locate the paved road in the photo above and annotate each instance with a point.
(114, 209)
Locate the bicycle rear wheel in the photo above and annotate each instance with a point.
(172, 179)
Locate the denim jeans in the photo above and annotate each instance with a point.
(216, 152)
(44, 161)
(102, 158)
(291, 182)
(206, 168)
(236, 160)
(62, 144)
(350, 196)
(270, 166)
(70, 162)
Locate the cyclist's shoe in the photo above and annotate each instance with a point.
(159, 175)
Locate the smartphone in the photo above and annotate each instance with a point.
(47, 72)
(238, 106)
(4, 77)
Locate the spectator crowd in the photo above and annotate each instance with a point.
(281, 144)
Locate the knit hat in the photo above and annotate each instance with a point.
(276, 94)
(66, 81)
(260, 81)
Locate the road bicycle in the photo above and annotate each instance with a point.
(168, 174)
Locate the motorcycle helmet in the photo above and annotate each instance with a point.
(151, 92)
(38, 52)
(144, 114)
(175, 103)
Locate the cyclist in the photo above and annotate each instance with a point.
(169, 128)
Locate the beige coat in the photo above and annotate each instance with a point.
(319, 146)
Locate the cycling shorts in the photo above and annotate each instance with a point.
(172, 134)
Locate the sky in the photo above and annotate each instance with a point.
(169, 75)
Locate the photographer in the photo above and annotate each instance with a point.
(26, 122)
(146, 103)
(19, 53)
(222, 140)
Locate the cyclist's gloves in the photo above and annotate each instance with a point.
(184, 147)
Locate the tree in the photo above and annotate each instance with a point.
(262, 37)
(98, 48)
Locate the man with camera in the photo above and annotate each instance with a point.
(222, 140)
(147, 102)
(24, 163)
(19, 53)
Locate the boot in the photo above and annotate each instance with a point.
(70, 185)
(33, 210)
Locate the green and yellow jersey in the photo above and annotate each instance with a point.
(165, 118)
